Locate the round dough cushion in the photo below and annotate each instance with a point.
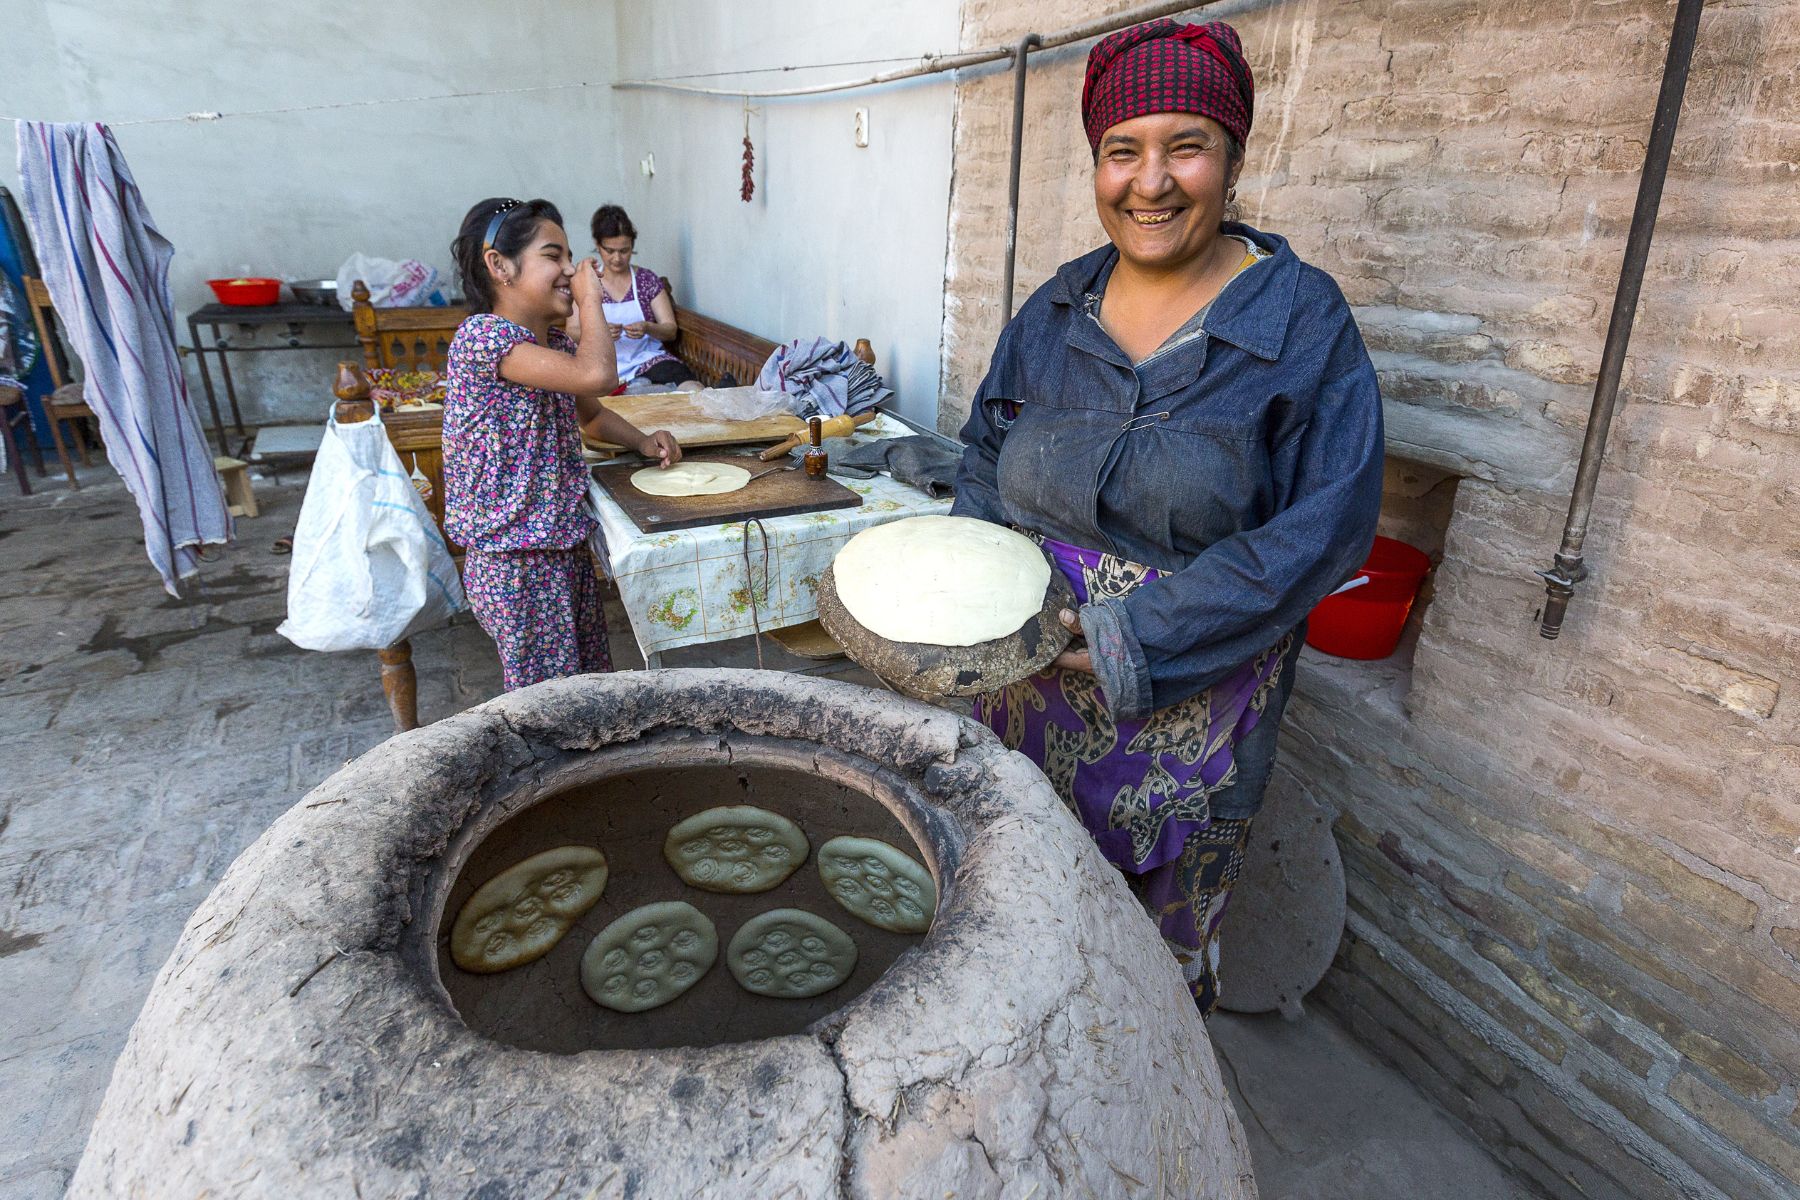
(941, 581)
(690, 479)
(933, 670)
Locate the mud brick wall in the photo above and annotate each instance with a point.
(1574, 865)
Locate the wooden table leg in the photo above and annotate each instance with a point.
(401, 684)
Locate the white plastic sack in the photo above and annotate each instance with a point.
(391, 284)
(369, 565)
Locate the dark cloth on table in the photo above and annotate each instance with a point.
(919, 460)
(668, 370)
(1244, 462)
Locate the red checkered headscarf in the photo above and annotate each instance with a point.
(1164, 66)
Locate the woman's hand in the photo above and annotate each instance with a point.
(635, 329)
(661, 445)
(1075, 658)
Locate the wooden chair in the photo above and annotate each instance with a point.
(65, 402)
(411, 339)
(406, 339)
(15, 416)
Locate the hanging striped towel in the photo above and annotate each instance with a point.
(107, 269)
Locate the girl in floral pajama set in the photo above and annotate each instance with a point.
(517, 393)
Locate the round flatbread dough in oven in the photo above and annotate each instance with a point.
(649, 956)
(877, 883)
(518, 915)
(737, 849)
(790, 954)
(690, 479)
(941, 581)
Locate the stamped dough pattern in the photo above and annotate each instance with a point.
(790, 954)
(649, 956)
(737, 849)
(878, 884)
(518, 915)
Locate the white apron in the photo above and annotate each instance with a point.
(635, 354)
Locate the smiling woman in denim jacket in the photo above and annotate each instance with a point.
(1188, 421)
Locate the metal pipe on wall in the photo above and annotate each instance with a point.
(1568, 569)
(1012, 181)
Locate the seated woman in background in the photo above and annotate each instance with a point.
(639, 313)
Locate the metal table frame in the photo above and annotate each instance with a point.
(295, 316)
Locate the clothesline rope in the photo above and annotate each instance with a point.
(204, 116)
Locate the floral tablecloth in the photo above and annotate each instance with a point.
(690, 585)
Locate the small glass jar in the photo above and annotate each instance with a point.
(815, 460)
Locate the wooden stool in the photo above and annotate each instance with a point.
(240, 498)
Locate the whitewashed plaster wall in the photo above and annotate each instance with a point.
(838, 241)
(293, 195)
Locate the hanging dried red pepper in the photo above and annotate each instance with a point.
(749, 188)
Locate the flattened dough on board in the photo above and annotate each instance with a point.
(649, 956)
(878, 883)
(941, 581)
(737, 849)
(790, 954)
(518, 915)
(690, 479)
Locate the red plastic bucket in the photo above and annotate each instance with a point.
(1365, 622)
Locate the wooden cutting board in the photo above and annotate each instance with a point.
(782, 494)
(676, 412)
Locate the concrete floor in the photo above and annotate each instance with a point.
(145, 741)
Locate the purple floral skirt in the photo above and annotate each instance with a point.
(1141, 787)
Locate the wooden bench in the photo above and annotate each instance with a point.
(418, 338)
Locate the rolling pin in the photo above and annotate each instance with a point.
(835, 427)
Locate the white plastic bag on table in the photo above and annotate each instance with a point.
(369, 566)
(391, 284)
(742, 403)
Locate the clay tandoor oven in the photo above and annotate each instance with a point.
(311, 1036)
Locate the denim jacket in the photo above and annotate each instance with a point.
(1244, 461)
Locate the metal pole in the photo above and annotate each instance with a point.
(1561, 578)
(1026, 43)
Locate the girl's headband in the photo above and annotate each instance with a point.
(495, 222)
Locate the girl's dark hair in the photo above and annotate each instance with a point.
(610, 221)
(516, 230)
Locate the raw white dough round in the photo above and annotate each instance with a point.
(941, 581)
(649, 956)
(790, 954)
(690, 479)
(518, 915)
(878, 883)
(737, 849)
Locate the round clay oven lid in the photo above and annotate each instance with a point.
(1281, 932)
(927, 672)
